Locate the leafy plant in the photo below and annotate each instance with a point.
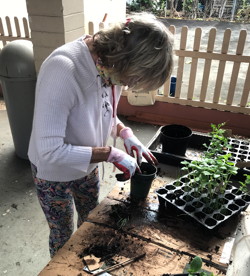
(187, 6)
(244, 185)
(141, 5)
(244, 10)
(147, 5)
(214, 171)
(195, 266)
(219, 141)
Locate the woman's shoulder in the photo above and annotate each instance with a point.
(73, 55)
(72, 50)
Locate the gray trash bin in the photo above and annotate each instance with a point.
(18, 79)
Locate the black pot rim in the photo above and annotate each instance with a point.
(145, 166)
(187, 131)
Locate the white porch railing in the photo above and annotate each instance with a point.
(208, 76)
(9, 31)
(211, 70)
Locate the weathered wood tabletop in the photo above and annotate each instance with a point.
(168, 239)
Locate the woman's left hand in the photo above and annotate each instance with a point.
(132, 144)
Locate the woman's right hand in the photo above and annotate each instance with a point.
(124, 163)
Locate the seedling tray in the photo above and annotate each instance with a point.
(240, 150)
(186, 200)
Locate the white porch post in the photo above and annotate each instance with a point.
(53, 23)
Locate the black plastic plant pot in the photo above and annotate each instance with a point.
(211, 212)
(175, 138)
(140, 183)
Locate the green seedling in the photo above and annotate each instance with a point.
(244, 185)
(219, 141)
(214, 170)
(195, 267)
(122, 222)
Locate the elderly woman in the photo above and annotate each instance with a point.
(77, 93)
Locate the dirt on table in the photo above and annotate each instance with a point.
(117, 247)
(169, 242)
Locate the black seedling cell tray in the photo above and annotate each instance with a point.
(240, 150)
(198, 206)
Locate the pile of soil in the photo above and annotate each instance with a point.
(113, 249)
(120, 214)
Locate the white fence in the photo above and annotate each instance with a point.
(207, 76)
(12, 30)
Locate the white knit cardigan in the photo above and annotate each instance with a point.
(73, 113)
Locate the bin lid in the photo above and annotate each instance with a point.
(17, 60)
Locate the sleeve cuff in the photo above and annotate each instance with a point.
(126, 132)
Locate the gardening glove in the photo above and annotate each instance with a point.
(132, 144)
(124, 163)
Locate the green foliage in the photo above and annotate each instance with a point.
(244, 185)
(195, 266)
(147, 5)
(188, 6)
(244, 11)
(161, 4)
(210, 173)
(245, 4)
(141, 5)
(191, 8)
(214, 170)
(219, 141)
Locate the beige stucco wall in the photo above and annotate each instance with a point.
(55, 22)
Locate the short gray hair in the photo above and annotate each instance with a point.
(138, 51)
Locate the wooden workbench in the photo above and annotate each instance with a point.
(169, 239)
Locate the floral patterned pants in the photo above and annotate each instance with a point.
(56, 199)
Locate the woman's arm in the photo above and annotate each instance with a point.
(120, 126)
(100, 154)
